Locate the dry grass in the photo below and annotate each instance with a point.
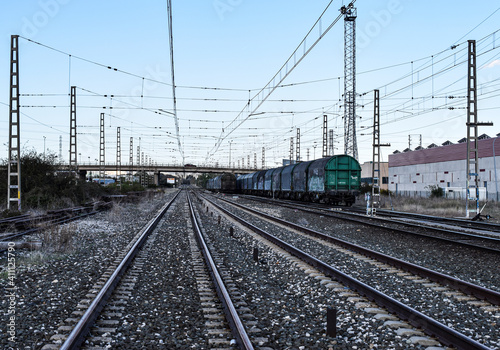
(436, 206)
(59, 239)
(116, 213)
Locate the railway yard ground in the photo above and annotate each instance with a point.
(163, 301)
(435, 206)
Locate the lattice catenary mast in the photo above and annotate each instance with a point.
(102, 164)
(325, 136)
(376, 174)
(472, 134)
(73, 162)
(118, 156)
(350, 143)
(297, 147)
(14, 165)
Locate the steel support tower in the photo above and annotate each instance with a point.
(138, 162)
(376, 174)
(330, 143)
(14, 162)
(263, 158)
(291, 150)
(350, 143)
(297, 147)
(102, 165)
(73, 160)
(118, 157)
(60, 149)
(325, 136)
(143, 180)
(472, 183)
(248, 162)
(255, 160)
(131, 159)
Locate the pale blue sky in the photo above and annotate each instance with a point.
(240, 45)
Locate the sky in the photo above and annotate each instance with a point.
(225, 52)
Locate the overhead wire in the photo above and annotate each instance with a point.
(171, 45)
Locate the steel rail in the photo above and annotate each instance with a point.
(477, 225)
(346, 217)
(237, 328)
(55, 222)
(455, 283)
(445, 334)
(79, 332)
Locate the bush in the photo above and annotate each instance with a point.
(365, 188)
(436, 191)
(43, 186)
(385, 192)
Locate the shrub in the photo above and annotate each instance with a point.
(436, 191)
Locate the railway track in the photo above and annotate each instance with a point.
(104, 289)
(238, 330)
(445, 334)
(464, 223)
(27, 224)
(97, 326)
(473, 240)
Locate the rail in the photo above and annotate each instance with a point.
(237, 328)
(455, 283)
(77, 336)
(446, 335)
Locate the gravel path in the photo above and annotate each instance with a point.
(462, 316)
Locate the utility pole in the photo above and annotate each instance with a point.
(297, 147)
(118, 157)
(143, 172)
(102, 165)
(325, 136)
(350, 143)
(14, 163)
(60, 149)
(263, 158)
(131, 158)
(472, 134)
(331, 150)
(376, 175)
(291, 150)
(255, 160)
(73, 163)
(139, 160)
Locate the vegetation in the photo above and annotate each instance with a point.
(45, 186)
(202, 179)
(436, 191)
(445, 207)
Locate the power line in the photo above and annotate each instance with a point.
(278, 78)
(171, 44)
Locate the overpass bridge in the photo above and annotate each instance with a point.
(111, 168)
(155, 170)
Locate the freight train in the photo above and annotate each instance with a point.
(335, 180)
(223, 183)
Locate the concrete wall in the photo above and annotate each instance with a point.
(413, 180)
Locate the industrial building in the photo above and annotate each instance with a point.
(366, 174)
(411, 172)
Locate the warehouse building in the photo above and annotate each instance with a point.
(412, 172)
(366, 174)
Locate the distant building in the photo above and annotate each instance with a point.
(366, 174)
(411, 173)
